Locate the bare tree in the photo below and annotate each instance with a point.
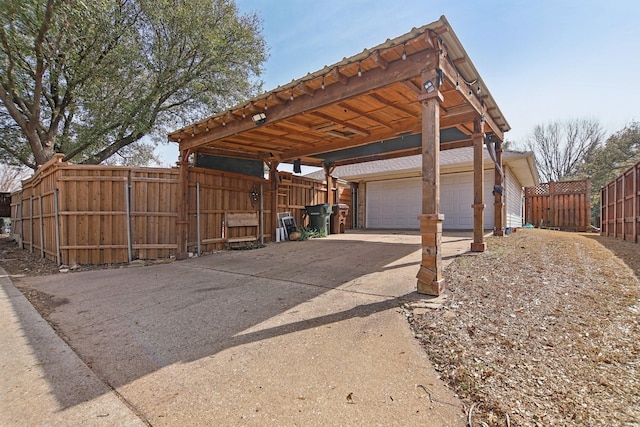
(561, 148)
(10, 177)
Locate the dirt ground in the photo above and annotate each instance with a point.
(541, 329)
(23, 263)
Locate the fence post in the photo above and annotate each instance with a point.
(31, 224)
(57, 219)
(198, 216)
(128, 208)
(615, 208)
(635, 203)
(262, 214)
(602, 209)
(41, 229)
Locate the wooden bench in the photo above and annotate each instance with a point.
(241, 219)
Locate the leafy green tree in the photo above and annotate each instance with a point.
(619, 153)
(560, 148)
(91, 78)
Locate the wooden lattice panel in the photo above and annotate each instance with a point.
(570, 187)
(538, 190)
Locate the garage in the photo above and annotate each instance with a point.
(396, 203)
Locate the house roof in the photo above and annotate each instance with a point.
(365, 107)
(456, 160)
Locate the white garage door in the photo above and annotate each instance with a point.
(397, 203)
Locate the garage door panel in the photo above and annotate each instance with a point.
(394, 203)
(397, 203)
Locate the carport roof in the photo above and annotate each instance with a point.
(365, 107)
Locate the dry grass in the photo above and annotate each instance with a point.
(542, 329)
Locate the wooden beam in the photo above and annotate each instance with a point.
(274, 99)
(182, 222)
(429, 275)
(376, 78)
(460, 61)
(447, 121)
(304, 88)
(214, 151)
(328, 170)
(456, 144)
(337, 134)
(363, 114)
(275, 183)
(398, 107)
(374, 157)
(336, 74)
(478, 244)
(451, 73)
(459, 110)
(355, 129)
(498, 204)
(378, 59)
(353, 142)
(412, 87)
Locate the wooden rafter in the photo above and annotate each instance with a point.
(348, 126)
(353, 142)
(376, 78)
(398, 107)
(364, 114)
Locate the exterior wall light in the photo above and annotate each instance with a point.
(429, 87)
(259, 119)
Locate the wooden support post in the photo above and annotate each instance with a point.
(275, 184)
(498, 199)
(362, 204)
(478, 244)
(183, 205)
(328, 170)
(429, 276)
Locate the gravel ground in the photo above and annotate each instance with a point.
(542, 329)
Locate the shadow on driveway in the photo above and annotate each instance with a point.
(128, 323)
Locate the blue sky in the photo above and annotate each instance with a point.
(542, 60)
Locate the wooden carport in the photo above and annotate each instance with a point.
(418, 93)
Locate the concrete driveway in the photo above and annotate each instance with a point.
(297, 333)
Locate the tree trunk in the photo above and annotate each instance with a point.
(43, 150)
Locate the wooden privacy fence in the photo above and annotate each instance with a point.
(561, 205)
(77, 214)
(620, 206)
(296, 192)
